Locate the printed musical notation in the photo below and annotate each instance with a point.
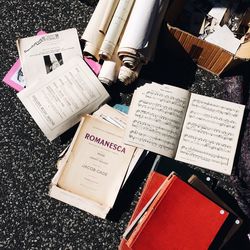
(205, 130)
(192, 128)
(201, 155)
(215, 108)
(214, 119)
(156, 118)
(209, 144)
(210, 133)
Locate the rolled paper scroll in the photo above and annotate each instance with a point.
(92, 34)
(108, 14)
(141, 33)
(127, 75)
(110, 70)
(115, 28)
(109, 73)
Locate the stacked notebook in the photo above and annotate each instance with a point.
(173, 214)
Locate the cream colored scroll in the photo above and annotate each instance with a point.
(115, 28)
(140, 36)
(108, 14)
(127, 75)
(92, 35)
(110, 70)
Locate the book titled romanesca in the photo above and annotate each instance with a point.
(94, 167)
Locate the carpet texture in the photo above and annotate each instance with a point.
(30, 219)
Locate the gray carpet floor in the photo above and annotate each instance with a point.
(29, 218)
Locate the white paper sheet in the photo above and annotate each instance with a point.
(59, 99)
(210, 133)
(155, 118)
(224, 38)
(218, 13)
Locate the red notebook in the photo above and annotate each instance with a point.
(179, 217)
(152, 184)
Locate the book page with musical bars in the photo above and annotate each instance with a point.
(210, 133)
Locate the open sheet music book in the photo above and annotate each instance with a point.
(188, 127)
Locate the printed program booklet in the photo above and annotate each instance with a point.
(61, 98)
(40, 55)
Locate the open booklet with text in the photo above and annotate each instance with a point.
(61, 98)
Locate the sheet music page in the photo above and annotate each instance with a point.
(97, 173)
(59, 99)
(210, 133)
(155, 118)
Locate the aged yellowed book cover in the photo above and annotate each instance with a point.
(97, 163)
